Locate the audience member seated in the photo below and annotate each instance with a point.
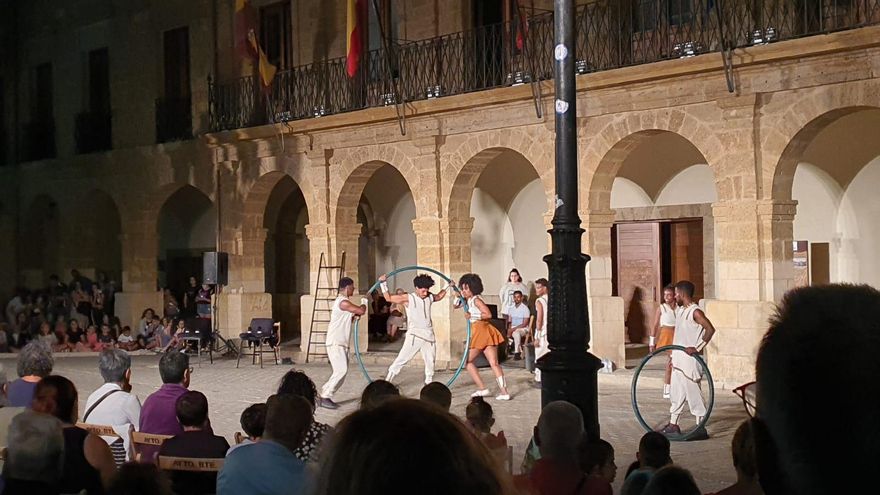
(76, 338)
(653, 454)
(106, 337)
(144, 322)
(672, 480)
(407, 446)
(35, 362)
(253, 422)
(92, 344)
(4, 338)
(34, 455)
(437, 394)
(88, 463)
(112, 404)
(270, 466)
(6, 412)
(46, 335)
(396, 318)
(298, 383)
(134, 478)
(159, 412)
(558, 434)
(481, 418)
(816, 429)
(597, 462)
(198, 441)
(126, 340)
(377, 393)
(743, 452)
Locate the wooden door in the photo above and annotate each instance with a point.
(638, 275)
(686, 254)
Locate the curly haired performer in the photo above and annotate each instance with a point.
(419, 329)
(484, 338)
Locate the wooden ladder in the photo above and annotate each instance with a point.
(326, 287)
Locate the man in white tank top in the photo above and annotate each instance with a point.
(339, 338)
(692, 331)
(541, 343)
(419, 329)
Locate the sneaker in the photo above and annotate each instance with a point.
(517, 357)
(502, 397)
(481, 393)
(671, 429)
(699, 434)
(328, 404)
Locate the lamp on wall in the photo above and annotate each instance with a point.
(763, 36)
(686, 49)
(435, 91)
(518, 77)
(319, 111)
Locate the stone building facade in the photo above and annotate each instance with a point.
(279, 195)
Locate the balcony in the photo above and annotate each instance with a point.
(93, 132)
(173, 119)
(610, 35)
(38, 141)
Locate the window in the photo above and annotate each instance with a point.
(645, 15)
(388, 16)
(176, 45)
(680, 11)
(275, 34)
(99, 81)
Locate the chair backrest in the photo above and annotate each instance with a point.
(100, 430)
(139, 438)
(193, 464)
(262, 326)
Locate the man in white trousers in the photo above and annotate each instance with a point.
(540, 339)
(693, 331)
(518, 320)
(338, 339)
(419, 329)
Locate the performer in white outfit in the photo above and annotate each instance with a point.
(692, 331)
(419, 329)
(663, 331)
(339, 338)
(505, 293)
(518, 319)
(541, 343)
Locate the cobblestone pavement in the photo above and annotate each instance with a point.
(230, 390)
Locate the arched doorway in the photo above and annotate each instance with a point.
(39, 243)
(187, 228)
(104, 245)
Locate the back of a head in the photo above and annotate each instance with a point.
(479, 414)
(672, 480)
(636, 482)
(816, 362)
(654, 450)
(743, 450)
(173, 366)
(296, 382)
(253, 420)
(35, 359)
(192, 409)
(377, 393)
(35, 448)
(407, 445)
(560, 430)
(139, 478)
(594, 454)
(56, 395)
(288, 418)
(437, 394)
(113, 364)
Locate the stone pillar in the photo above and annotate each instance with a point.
(776, 226)
(140, 254)
(607, 339)
(346, 239)
(244, 296)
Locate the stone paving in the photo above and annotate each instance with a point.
(230, 390)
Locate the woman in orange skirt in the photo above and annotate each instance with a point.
(663, 330)
(484, 338)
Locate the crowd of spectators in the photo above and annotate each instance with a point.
(393, 444)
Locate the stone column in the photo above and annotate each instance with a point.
(607, 316)
(140, 271)
(244, 296)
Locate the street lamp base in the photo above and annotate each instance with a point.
(572, 377)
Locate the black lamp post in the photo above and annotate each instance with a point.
(568, 372)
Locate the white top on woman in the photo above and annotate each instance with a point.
(667, 315)
(473, 310)
(506, 294)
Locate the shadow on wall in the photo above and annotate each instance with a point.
(635, 317)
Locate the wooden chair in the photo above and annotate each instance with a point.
(117, 447)
(191, 464)
(100, 430)
(146, 439)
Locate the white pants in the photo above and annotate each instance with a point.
(517, 336)
(684, 389)
(411, 346)
(339, 362)
(540, 351)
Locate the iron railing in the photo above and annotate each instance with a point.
(93, 132)
(610, 35)
(173, 119)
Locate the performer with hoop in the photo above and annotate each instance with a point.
(692, 331)
(419, 329)
(338, 339)
(663, 330)
(484, 338)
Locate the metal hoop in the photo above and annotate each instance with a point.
(464, 306)
(710, 382)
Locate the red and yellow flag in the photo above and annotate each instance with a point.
(355, 21)
(247, 44)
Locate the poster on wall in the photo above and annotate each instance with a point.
(801, 261)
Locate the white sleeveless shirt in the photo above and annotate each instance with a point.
(339, 328)
(473, 310)
(667, 315)
(542, 332)
(688, 333)
(418, 316)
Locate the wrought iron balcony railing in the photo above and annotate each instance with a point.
(610, 35)
(173, 119)
(93, 132)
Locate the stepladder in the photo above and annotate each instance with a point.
(326, 287)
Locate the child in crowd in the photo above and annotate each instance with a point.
(47, 336)
(253, 421)
(106, 337)
(481, 418)
(76, 338)
(91, 341)
(149, 339)
(169, 338)
(597, 462)
(126, 340)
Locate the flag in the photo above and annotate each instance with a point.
(522, 27)
(246, 41)
(267, 70)
(355, 20)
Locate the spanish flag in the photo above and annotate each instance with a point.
(355, 21)
(247, 44)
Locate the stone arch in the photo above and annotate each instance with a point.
(256, 199)
(791, 155)
(463, 165)
(186, 224)
(103, 224)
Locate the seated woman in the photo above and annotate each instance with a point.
(397, 319)
(88, 463)
(92, 343)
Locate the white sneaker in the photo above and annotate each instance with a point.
(502, 397)
(666, 391)
(481, 393)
